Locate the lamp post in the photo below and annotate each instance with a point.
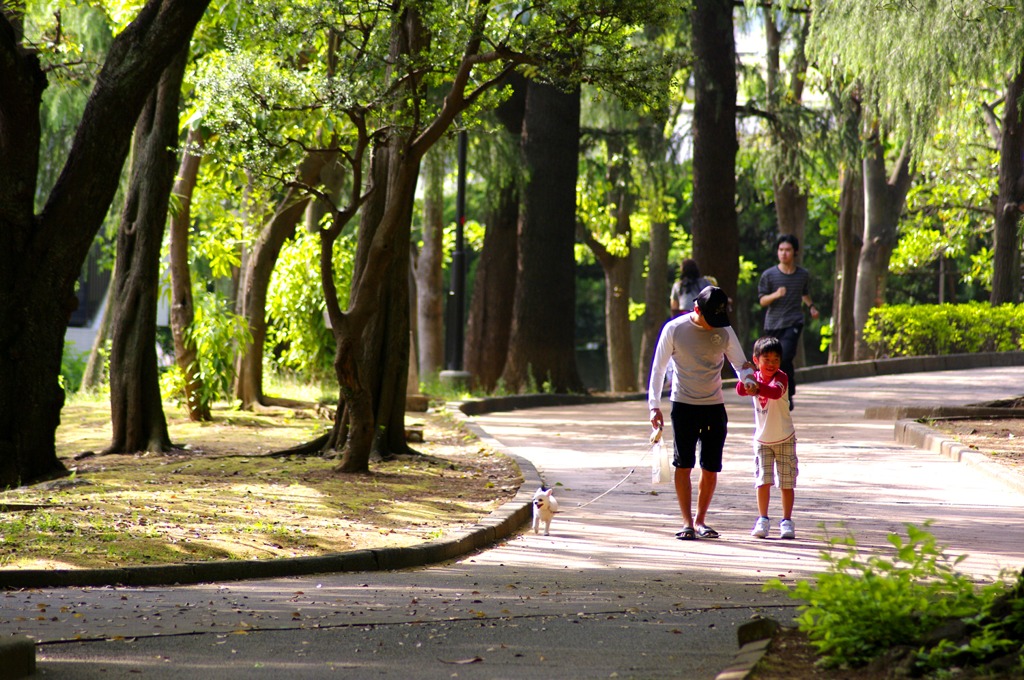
(454, 372)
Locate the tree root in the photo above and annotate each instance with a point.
(311, 448)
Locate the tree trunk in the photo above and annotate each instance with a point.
(714, 226)
(41, 256)
(95, 366)
(136, 409)
(621, 371)
(656, 290)
(182, 305)
(883, 203)
(255, 280)
(489, 322)
(384, 350)
(374, 375)
(372, 336)
(542, 341)
(849, 240)
(790, 198)
(428, 270)
(373, 341)
(490, 311)
(618, 274)
(1010, 203)
(791, 211)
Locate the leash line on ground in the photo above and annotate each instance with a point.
(619, 483)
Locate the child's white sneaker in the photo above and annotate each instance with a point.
(786, 529)
(761, 527)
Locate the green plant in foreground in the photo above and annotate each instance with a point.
(864, 605)
(997, 631)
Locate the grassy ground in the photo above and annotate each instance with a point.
(221, 496)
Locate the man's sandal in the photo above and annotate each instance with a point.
(704, 531)
(687, 534)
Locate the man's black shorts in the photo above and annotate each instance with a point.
(706, 423)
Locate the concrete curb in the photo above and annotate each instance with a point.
(500, 524)
(922, 364)
(929, 439)
(853, 369)
(755, 638)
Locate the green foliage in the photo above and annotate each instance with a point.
(948, 218)
(996, 631)
(922, 330)
(72, 368)
(862, 606)
(472, 237)
(70, 38)
(942, 44)
(298, 339)
(218, 334)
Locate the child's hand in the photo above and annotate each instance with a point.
(750, 388)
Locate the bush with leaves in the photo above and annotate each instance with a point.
(218, 335)
(863, 606)
(993, 638)
(72, 368)
(923, 330)
(298, 339)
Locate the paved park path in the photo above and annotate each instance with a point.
(610, 593)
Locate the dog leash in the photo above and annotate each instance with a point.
(655, 438)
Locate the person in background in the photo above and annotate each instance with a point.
(783, 289)
(686, 288)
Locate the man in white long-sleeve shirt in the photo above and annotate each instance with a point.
(697, 344)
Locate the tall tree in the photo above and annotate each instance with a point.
(136, 409)
(1010, 201)
(715, 230)
(613, 249)
(656, 292)
(542, 344)
(658, 145)
(884, 199)
(784, 99)
(942, 45)
(490, 309)
(850, 224)
(43, 253)
(186, 356)
(849, 239)
(428, 269)
(489, 323)
(257, 269)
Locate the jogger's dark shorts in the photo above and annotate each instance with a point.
(706, 423)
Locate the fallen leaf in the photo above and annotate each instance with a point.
(462, 662)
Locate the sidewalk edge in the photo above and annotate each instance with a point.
(929, 439)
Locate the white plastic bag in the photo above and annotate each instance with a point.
(661, 466)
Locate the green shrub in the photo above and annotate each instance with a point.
(922, 330)
(72, 368)
(862, 606)
(997, 631)
(218, 334)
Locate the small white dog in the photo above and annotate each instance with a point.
(544, 508)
